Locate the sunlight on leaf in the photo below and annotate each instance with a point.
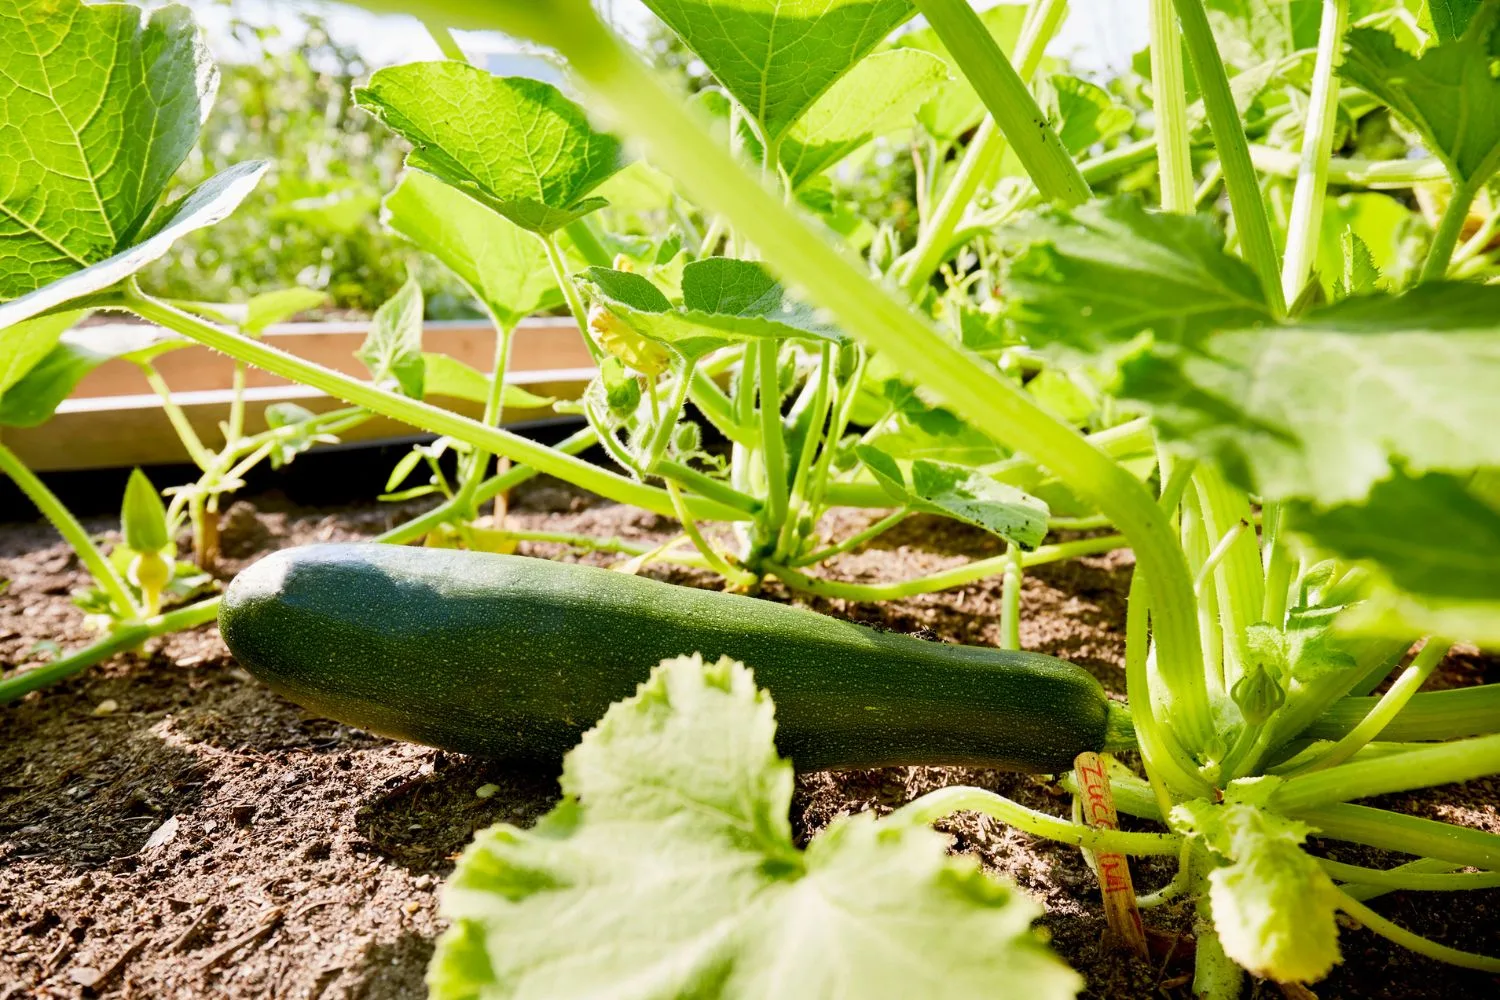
(961, 493)
(670, 865)
(536, 160)
(392, 350)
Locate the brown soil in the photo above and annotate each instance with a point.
(201, 837)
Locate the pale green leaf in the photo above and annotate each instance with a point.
(723, 299)
(392, 350)
(143, 517)
(1449, 95)
(961, 493)
(22, 346)
(777, 57)
(515, 144)
(504, 265)
(1089, 115)
(447, 376)
(205, 205)
(879, 96)
(1097, 277)
(669, 871)
(1273, 905)
(1323, 407)
(269, 308)
(33, 398)
(1250, 32)
(1429, 536)
(99, 105)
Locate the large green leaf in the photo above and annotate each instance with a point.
(723, 300)
(1250, 32)
(34, 397)
(876, 97)
(1450, 95)
(777, 57)
(1433, 543)
(669, 871)
(962, 493)
(1323, 408)
(99, 105)
(205, 205)
(515, 144)
(1098, 276)
(504, 265)
(1451, 17)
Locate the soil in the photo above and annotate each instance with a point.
(170, 828)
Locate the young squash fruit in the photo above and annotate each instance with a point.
(507, 656)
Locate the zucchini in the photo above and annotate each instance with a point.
(507, 656)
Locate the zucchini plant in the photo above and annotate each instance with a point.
(1206, 335)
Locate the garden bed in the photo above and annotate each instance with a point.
(170, 828)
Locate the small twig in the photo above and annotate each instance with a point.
(57, 957)
(305, 907)
(209, 911)
(267, 924)
(118, 965)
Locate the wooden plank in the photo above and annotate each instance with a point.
(115, 420)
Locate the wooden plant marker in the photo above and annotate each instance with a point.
(1098, 805)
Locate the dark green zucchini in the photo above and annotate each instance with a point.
(506, 656)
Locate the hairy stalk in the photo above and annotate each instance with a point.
(73, 533)
(1450, 227)
(855, 540)
(1306, 225)
(419, 414)
(1008, 99)
(1169, 90)
(1389, 831)
(959, 576)
(1429, 715)
(1461, 760)
(479, 461)
(1353, 171)
(1250, 219)
(122, 639)
(1385, 710)
(200, 456)
(1413, 941)
(981, 157)
(961, 798)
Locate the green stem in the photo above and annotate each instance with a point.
(962, 798)
(1173, 155)
(445, 40)
(420, 414)
(1430, 715)
(1166, 762)
(614, 76)
(710, 488)
(947, 579)
(666, 421)
(494, 400)
(591, 543)
(1461, 760)
(711, 555)
(1008, 99)
(122, 639)
(1396, 878)
(1010, 599)
(855, 540)
(1352, 171)
(1415, 942)
(200, 456)
(1250, 219)
(1449, 228)
(817, 419)
(981, 158)
(237, 407)
(1385, 710)
(1389, 831)
(1422, 866)
(580, 313)
(73, 533)
(587, 243)
(1306, 225)
(772, 439)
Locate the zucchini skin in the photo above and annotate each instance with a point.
(515, 657)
